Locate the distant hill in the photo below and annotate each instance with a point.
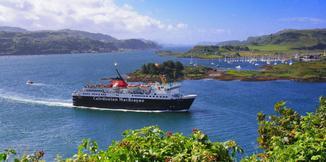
(94, 36)
(230, 43)
(312, 39)
(17, 41)
(286, 43)
(11, 29)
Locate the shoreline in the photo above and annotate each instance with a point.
(222, 75)
(314, 71)
(81, 53)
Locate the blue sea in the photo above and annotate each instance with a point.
(41, 116)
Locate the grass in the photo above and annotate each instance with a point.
(300, 71)
(255, 50)
(270, 47)
(242, 73)
(201, 56)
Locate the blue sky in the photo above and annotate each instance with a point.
(242, 18)
(167, 21)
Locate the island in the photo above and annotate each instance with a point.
(18, 41)
(314, 71)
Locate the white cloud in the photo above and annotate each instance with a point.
(181, 25)
(303, 20)
(92, 15)
(103, 16)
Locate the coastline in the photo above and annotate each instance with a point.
(80, 53)
(299, 71)
(222, 76)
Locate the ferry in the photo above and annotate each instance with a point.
(121, 95)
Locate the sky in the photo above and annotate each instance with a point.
(183, 22)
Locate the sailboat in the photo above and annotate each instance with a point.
(212, 63)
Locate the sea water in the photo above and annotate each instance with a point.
(41, 116)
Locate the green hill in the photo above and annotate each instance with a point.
(17, 41)
(314, 39)
(310, 39)
(285, 42)
(214, 51)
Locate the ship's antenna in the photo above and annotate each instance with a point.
(116, 69)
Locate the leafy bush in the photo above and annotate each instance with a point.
(172, 70)
(36, 157)
(153, 144)
(288, 136)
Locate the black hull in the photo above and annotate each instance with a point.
(134, 104)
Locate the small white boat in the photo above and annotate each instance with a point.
(29, 82)
(212, 63)
(256, 64)
(238, 67)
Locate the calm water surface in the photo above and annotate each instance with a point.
(41, 116)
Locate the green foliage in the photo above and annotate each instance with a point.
(36, 157)
(6, 154)
(172, 70)
(153, 144)
(196, 72)
(215, 51)
(288, 136)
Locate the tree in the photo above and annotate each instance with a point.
(288, 136)
(144, 69)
